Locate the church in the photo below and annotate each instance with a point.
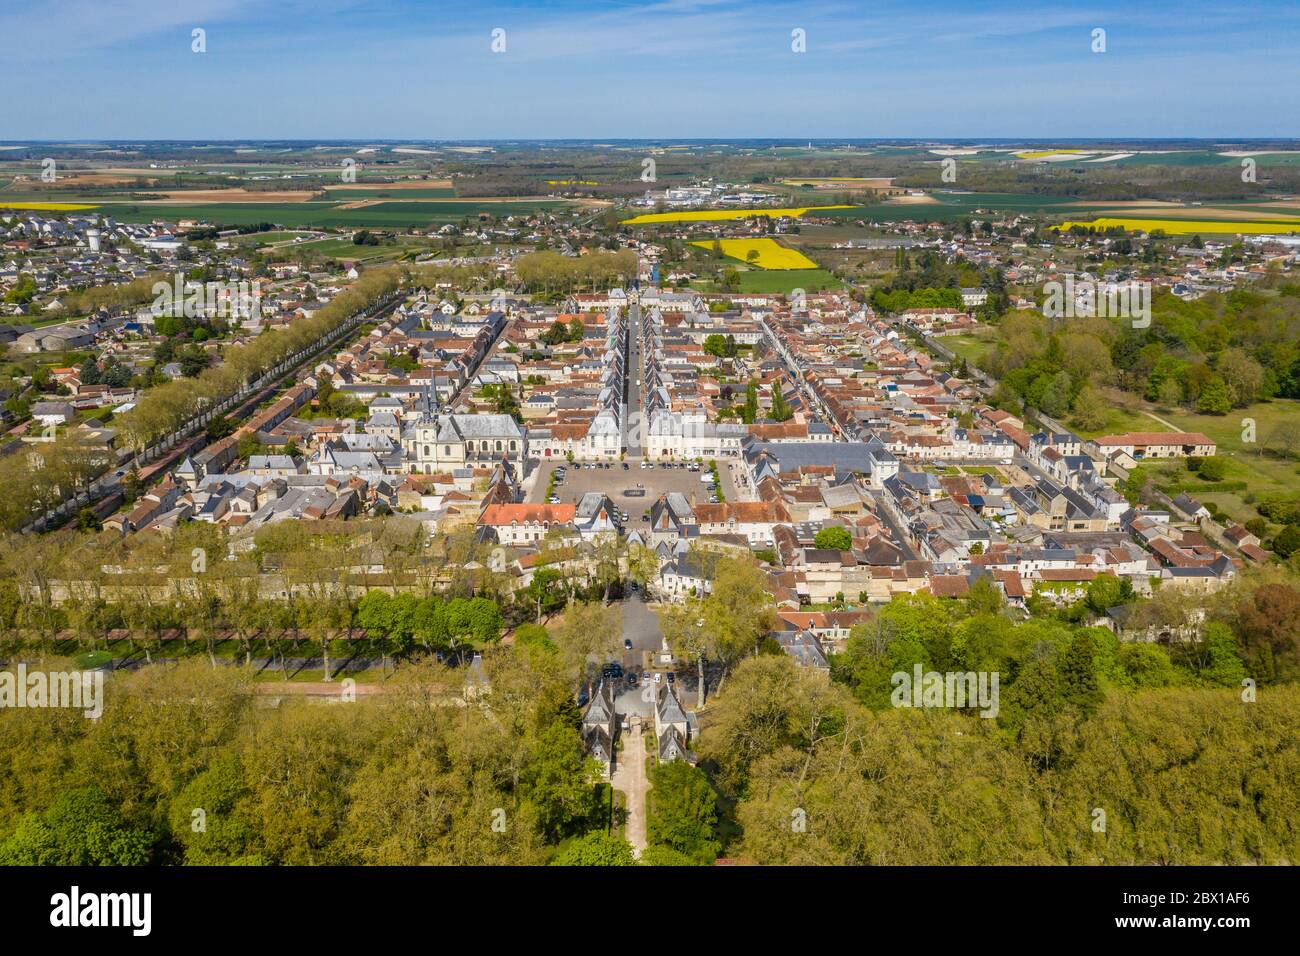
(434, 441)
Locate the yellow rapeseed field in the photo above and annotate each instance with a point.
(771, 254)
(706, 215)
(1044, 153)
(1185, 227)
(46, 206)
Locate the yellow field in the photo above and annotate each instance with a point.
(771, 254)
(707, 215)
(46, 206)
(1188, 226)
(572, 182)
(1045, 153)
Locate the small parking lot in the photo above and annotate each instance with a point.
(613, 481)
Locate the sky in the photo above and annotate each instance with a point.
(652, 69)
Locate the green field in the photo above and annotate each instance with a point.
(973, 347)
(392, 215)
(380, 191)
(786, 280)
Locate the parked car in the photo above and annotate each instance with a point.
(625, 466)
(671, 677)
(631, 677)
(627, 643)
(659, 677)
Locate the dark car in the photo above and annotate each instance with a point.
(627, 643)
(625, 466)
(671, 677)
(631, 677)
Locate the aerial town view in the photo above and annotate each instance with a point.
(684, 475)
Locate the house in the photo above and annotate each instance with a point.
(671, 719)
(1142, 445)
(599, 725)
(1190, 508)
(53, 413)
(523, 524)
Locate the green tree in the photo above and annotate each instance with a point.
(595, 849)
(834, 538)
(1214, 399)
(684, 811)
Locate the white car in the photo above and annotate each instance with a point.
(659, 677)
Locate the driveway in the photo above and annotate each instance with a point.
(630, 777)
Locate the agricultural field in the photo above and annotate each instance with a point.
(45, 206)
(787, 280)
(1173, 226)
(766, 253)
(393, 215)
(711, 215)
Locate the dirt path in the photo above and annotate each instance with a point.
(1170, 425)
(630, 777)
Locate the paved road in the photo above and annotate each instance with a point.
(633, 421)
(641, 627)
(630, 777)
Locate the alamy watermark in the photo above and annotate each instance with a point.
(1088, 298)
(955, 689)
(78, 690)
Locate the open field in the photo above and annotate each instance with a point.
(770, 254)
(232, 196)
(1189, 226)
(395, 215)
(973, 346)
(780, 280)
(709, 215)
(45, 206)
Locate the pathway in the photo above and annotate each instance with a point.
(630, 777)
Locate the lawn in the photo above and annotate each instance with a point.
(973, 347)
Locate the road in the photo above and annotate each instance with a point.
(634, 414)
(631, 778)
(641, 627)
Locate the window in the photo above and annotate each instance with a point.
(446, 450)
(428, 453)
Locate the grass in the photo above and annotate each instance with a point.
(787, 280)
(974, 347)
(769, 254)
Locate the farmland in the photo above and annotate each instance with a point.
(395, 215)
(709, 215)
(767, 253)
(1189, 226)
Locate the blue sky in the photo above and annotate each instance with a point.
(604, 69)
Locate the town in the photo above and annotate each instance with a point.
(781, 434)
